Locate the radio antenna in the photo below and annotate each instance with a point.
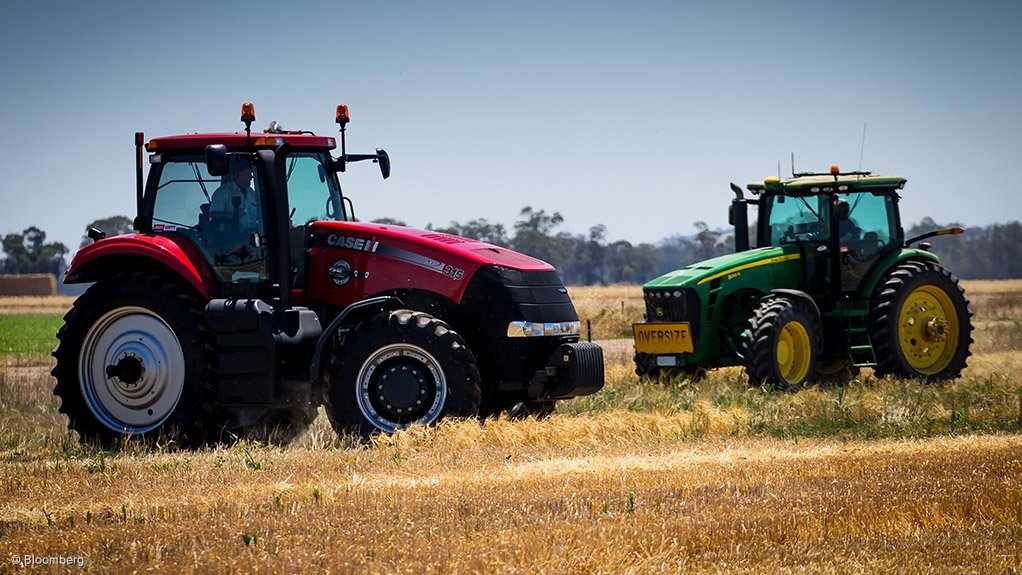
(863, 147)
(778, 169)
(793, 164)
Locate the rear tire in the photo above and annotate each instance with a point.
(400, 368)
(133, 360)
(781, 345)
(921, 325)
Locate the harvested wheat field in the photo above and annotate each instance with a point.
(876, 476)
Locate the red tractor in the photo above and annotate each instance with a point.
(250, 295)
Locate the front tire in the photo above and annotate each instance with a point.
(921, 323)
(398, 369)
(781, 345)
(132, 361)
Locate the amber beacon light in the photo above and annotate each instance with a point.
(248, 112)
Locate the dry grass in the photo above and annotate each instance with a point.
(610, 310)
(464, 498)
(714, 477)
(32, 304)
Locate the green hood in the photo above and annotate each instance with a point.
(706, 270)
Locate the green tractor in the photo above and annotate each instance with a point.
(833, 286)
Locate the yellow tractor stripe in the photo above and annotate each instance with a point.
(768, 261)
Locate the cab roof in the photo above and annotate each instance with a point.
(811, 184)
(239, 139)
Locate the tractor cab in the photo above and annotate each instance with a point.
(842, 222)
(246, 201)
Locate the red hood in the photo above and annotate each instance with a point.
(473, 251)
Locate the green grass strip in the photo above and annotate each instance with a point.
(29, 332)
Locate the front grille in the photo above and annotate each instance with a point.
(677, 304)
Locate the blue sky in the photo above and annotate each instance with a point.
(633, 115)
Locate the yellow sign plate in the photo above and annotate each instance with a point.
(660, 338)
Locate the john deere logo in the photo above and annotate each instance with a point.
(660, 312)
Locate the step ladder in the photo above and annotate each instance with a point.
(860, 348)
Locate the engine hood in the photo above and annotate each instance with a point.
(723, 266)
(422, 245)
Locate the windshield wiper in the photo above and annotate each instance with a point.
(811, 209)
(291, 168)
(202, 184)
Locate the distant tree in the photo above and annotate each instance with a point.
(990, 252)
(389, 222)
(113, 226)
(479, 229)
(29, 253)
(534, 236)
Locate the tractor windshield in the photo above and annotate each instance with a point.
(794, 219)
(220, 215)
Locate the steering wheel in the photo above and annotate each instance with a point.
(865, 249)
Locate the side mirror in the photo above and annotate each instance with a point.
(216, 160)
(384, 160)
(731, 215)
(841, 210)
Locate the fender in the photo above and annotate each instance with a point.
(889, 261)
(802, 298)
(140, 252)
(347, 318)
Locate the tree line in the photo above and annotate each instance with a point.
(989, 252)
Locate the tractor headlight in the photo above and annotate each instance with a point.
(539, 329)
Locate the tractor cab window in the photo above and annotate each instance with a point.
(312, 190)
(870, 224)
(313, 195)
(870, 228)
(221, 216)
(795, 219)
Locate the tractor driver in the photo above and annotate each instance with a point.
(236, 201)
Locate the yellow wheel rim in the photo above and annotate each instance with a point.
(793, 352)
(928, 329)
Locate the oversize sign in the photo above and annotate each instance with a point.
(662, 338)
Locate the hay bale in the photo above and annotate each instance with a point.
(39, 285)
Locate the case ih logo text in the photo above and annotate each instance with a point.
(352, 243)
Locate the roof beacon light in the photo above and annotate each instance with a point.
(342, 117)
(247, 113)
(835, 169)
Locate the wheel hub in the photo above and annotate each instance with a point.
(936, 329)
(128, 369)
(401, 387)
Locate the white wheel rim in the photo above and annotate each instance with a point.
(404, 352)
(134, 336)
